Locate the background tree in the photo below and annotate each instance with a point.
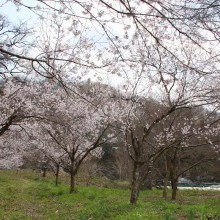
(185, 133)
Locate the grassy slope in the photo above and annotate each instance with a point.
(24, 195)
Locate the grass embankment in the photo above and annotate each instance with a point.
(25, 195)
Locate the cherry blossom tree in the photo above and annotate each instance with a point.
(10, 157)
(183, 134)
(17, 109)
(15, 105)
(176, 88)
(64, 47)
(12, 37)
(14, 144)
(163, 50)
(68, 129)
(93, 42)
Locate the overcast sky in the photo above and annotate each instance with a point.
(14, 15)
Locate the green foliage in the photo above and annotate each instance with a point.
(25, 195)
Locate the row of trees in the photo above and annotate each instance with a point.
(164, 53)
(68, 129)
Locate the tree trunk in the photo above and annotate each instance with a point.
(44, 171)
(136, 182)
(174, 188)
(165, 183)
(173, 175)
(72, 178)
(72, 183)
(149, 180)
(174, 181)
(57, 174)
(120, 172)
(167, 175)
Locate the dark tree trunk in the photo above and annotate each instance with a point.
(149, 180)
(136, 182)
(44, 171)
(167, 175)
(174, 188)
(173, 174)
(72, 183)
(72, 178)
(174, 180)
(165, 183)
(57, 174)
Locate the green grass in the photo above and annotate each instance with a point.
(25, 195)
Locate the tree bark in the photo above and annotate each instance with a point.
(173, 174)
(167, 175)
(72, 179)
(165, 183)
(44, 171)
(174, 180)
(149, 180)
(135, 187)
(57, 174)
(174, 188)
